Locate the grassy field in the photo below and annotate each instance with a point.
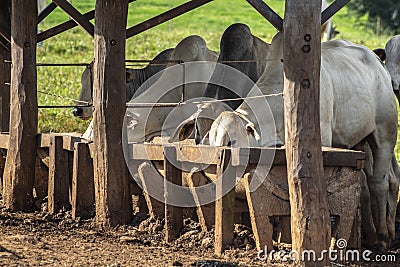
(209, 21)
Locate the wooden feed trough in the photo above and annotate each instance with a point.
(343, 174)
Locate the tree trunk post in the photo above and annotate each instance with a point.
(310, 218)
(113, 201)
(19, 171)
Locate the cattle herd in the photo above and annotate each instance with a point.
(357, 106)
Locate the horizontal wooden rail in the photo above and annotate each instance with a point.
(332, 157)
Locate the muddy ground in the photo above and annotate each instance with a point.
(38, 239)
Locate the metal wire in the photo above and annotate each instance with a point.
(157, 105)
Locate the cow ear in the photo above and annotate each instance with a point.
(130, 75)
(381, 53)
(252, 131)
(183, 131)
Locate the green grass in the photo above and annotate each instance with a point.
(209, 21)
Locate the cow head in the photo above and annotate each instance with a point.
(199, 123)
(84, 109)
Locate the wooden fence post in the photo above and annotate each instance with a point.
(113, 200)
(19, 171)
(82, 192)
(58, 192)
(225, 204)
(310, 218)
(173, 215)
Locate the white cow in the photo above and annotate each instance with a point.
(356, 105)
(144, 128)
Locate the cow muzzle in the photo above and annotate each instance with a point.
(78, 112)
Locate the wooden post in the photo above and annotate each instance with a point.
(310, 218)
(225, 204)
(173, 215)
(113, 201)
(58, 187)
(21, 156)
(82, 192)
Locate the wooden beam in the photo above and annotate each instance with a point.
(46, 11)
(166, 16)
(173, 214)
(113, 200)
(75, 15)
(310, 219)
(267, 13)
(332, 10)
(225, 203)
(5, 77)
(58, 187)
(64, 27)
(82, 192)
(21, 155)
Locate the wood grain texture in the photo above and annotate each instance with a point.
(58, 186)
(225, 204)
(82, 192)
(21, 156)
(173, 214)
(113, 201)
(302, 59)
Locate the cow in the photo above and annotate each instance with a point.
(134, 79)
(142, 128)
(190, 50)
(241, 50)
(356, 105)
(392, 50)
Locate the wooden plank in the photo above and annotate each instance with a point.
(21, 154)
(332, 157)
(267, 13)
(76, 15)
(113, 199)
(5, 78)
(205, 213)
(188, 154)
(166, 16)
(46, 11)
(261, 226)
(310, 219)
(82, 193)
(155, 207)
(225, 203)
(58, 191)
(64, 27)
(69, 139)
(173, 214)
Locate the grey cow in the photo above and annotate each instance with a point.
(240, 50)
(134, 79)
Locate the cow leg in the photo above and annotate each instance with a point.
(378, 185)
(394, 181)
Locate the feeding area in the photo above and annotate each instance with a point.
(235, 147)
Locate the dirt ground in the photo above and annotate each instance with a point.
(38, 239)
